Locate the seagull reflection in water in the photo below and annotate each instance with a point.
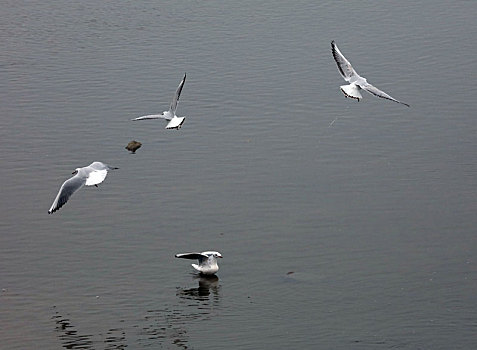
(171, 324)
(208, 288)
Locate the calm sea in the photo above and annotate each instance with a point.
(343, 224)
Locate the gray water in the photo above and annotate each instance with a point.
(343, 224)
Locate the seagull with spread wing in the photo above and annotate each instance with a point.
(207, 261)
(175, 122)
(356, 82)
(90, 175)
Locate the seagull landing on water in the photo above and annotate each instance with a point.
(175, 122)
(90, 175)
(207, 261)
(356, 82)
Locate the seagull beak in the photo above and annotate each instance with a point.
(75, 172)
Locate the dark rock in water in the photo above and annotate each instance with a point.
(133, 146)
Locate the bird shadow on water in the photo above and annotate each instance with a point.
(170, 325)
(159, 328)
(71, 338)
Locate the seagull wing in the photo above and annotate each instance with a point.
(151, 116)
(175, 100)
(96, 177)
(344, 66)
(193, 256)
(69, 187)
(95, 173)
(99, 166)
(376, 92)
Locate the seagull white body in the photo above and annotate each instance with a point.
(175, 122)
(207, 261)
(90, 175)
(356, 81)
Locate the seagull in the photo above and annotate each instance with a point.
(356, 82)
(175, 122)
(90, 175)
(207, 261)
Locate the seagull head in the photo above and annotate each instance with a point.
(76, 171)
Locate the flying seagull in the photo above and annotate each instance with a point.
(175, 122)
(90, 175)
(356, 82)
(207, 261)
